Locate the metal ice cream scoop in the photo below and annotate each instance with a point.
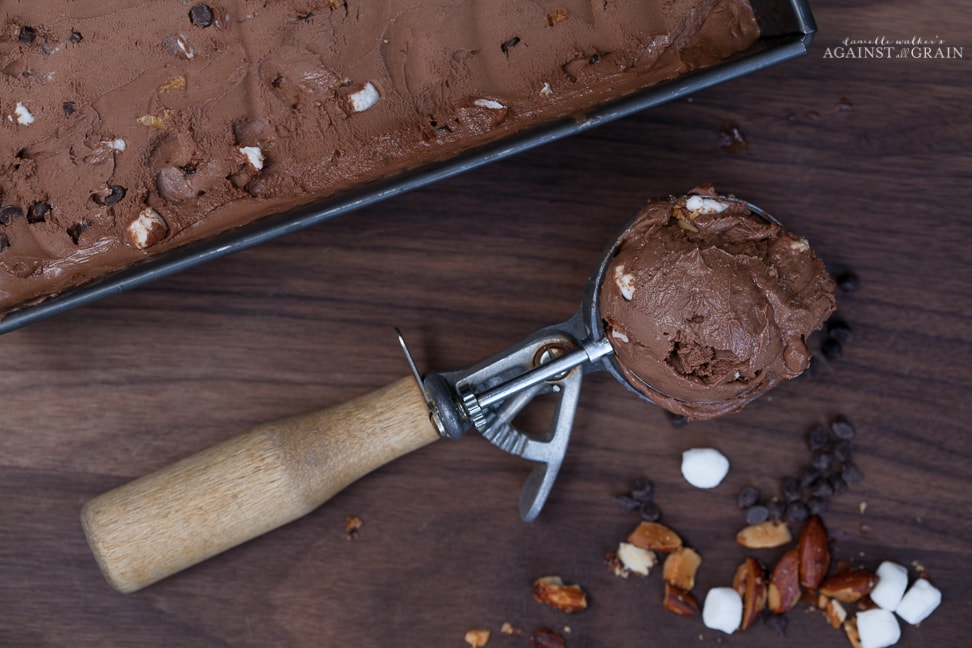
(162, 523)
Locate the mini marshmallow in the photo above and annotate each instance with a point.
(490, 104)
(117, 144)
(704, 467)
(877, 628)
(704, 205)
(722, 610)
(919, 602)
(636, 559)
(23, 116)
(891, 586)
(619, 335)
(148, 229)
(625, 282)
(253, 155)
(364, 98)
(546, 90)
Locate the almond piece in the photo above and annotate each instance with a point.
(551, 590)
(750, 582)
(680, 568)
(679, 601)
(477, 638)
(850, 629)
(850, 586)
(814, 552)
(784, 584)
(764, 535)
(654, 537)
(835, 613)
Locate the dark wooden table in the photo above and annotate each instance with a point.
(868, 158)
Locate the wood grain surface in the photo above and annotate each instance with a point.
(868, 158)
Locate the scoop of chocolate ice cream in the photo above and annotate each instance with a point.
(707, 305)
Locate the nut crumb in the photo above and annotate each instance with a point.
(477, 638)
(351, 525)
(557, 16)
(552, 591)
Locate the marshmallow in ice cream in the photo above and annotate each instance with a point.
(708, 306)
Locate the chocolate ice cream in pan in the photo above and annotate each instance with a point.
(700, 305)
(124, 159)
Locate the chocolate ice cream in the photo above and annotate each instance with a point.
(128, 128)
(707, 305)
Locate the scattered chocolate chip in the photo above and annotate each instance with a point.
(8, 213)
(508, 45)
(68, 108)
(201, 15)
(776, 509)
(796, 512)
(677, 420)
(837, 484)
(114, 195)
(842, 428)
(731, 138)
(756, 514)
(642, 490)
(747, 496)
(819, 438)
(75, 231)
(27, 34)
(839, 330)
(822, 460)
(808, 475)
(627, 503)
(816, 505)
(850, 473)
(650, 512)
(790, 489)
(843, 451)
(822, 490)
(832, 349)
(777, 623)
(38, 212)
(75, 37)
(848, 281)
(4, 242)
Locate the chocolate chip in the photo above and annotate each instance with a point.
(27, 34)
(822, 490)
(68, 108)
(677, 420)
(513, 42)
(839, 330)
(832, 349)
(595, 59)
(842, 428)
(843, 451)
(777, 623)
(850, 473)
(776, 509)
(4, 242)
(747, 496)
(8, 213)
(808, 475)
(75, 37)
(650, 512)
(848, 281)
(796, 512)
(38, 212)
(642, 490)
(819, 438)
(790, 489)
(627, 503)
(822, 460)
(816, 505)
(201, 15)
(75, 231)
(837, 484)
(188, 169)
(114, 195)
(756, 514)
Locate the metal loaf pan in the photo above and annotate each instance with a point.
(787, 28)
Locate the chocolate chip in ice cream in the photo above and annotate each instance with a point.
(9, 213)
(201, 15)
(27, 34)
(113, 195)
(75, 37)
(75, 231)
(38, 212)
(510, 44)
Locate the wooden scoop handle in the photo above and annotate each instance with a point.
(192, 510)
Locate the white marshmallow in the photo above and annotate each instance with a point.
(704, 205)
(704, 467)
(146, 230)
(24, 118)
(253, 155)
(625, 282)
(364, 98)
(489, 103)
(919, 602)
(722, 610)
(117, 144)
(877, 628)
(891, 586)
(619, 335)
